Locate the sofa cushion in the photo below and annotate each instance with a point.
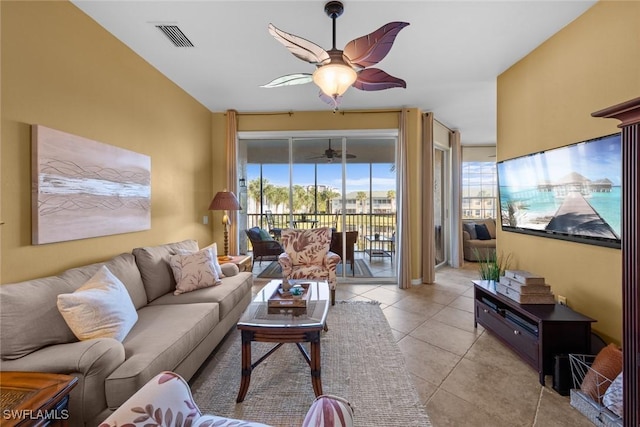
(122, 266)
(228, 294)
(162, 338)
(153, 262)
(194, 271)
(101, 308)
(482, 232)
(470, 227)
(491, 226)
(29, 317)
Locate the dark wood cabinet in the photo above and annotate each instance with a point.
(536, 332)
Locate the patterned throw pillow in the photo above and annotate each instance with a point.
(605, 368)
(194, 271)
(612, 399)
(101, 308)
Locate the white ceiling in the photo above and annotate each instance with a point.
(449, 56)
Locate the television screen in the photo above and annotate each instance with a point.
(571, 193)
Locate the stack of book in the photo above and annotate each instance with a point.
(525, 288)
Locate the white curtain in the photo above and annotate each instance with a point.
(428, 223)
(232, 174)
(403, 233)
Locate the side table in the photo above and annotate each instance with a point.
(244, 262)
(35, 398)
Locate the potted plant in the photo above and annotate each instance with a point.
(492, 265)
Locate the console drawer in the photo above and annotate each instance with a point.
(516, 336)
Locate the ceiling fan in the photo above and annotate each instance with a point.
(337, 70)
(331, 154)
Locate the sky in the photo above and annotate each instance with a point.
(329, 174)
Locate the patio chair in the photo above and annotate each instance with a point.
(307, 255)
(336, 247)
(263, 244)
(273, 230)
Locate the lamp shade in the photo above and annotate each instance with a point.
(225, 201)
(334, 79)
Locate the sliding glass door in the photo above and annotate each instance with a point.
(347, 183)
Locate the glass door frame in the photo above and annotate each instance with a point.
(292, 136)
(446, 201)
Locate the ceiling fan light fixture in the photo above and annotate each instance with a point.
(334, 79)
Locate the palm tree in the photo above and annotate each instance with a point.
(280, 196)
(254, 191)
(324, 199)
(361, 196)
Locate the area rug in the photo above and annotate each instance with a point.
(274, 271)
(360, 362)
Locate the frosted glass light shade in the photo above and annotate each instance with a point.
(334, 79)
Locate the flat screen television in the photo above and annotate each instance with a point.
(570, 193)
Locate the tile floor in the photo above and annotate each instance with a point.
(464, 376)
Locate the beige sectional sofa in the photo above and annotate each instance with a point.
(172, 332)
(472, 246)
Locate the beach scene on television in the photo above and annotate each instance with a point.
(573, 190)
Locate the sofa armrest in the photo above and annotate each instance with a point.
(465, 236)
(329, 411)
(92, 361)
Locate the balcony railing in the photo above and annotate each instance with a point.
(367, 224)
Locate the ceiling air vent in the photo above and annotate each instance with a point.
(176, 35)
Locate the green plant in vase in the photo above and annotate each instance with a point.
(492, 265)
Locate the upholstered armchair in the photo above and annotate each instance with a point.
(307, 255)
(166, 400)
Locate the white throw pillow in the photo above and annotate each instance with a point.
(194, 271)
(214, 251)
(101, 308)
(613, 396)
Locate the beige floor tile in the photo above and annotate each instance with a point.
(461, 319)
(446, 337)
(398, 335)
(489, 351)
(427, 361)
(446, 409)
(417, 304)
(402, 320)
(509, 396)
(463, 303)
(555, 410)
(440, 296)
(383, 295)
(424, 388)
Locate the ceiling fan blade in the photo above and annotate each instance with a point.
(338, 154)
(370, 49)
(371, 79)
(334, 102)
(299, 47)
(290, 80)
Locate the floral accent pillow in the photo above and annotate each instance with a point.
(194, 271)
(101, 308)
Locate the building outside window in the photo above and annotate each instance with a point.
(479, 190)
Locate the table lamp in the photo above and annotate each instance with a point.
(225, 201)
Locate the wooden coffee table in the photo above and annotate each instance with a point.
(283, 325)
(35, 398)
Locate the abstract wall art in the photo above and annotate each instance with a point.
(83, 188)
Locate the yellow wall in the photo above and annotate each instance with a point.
(62, 70)
(545, 101)
(327, 120)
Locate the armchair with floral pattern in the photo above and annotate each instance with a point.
(307, 255)
(166, 401)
